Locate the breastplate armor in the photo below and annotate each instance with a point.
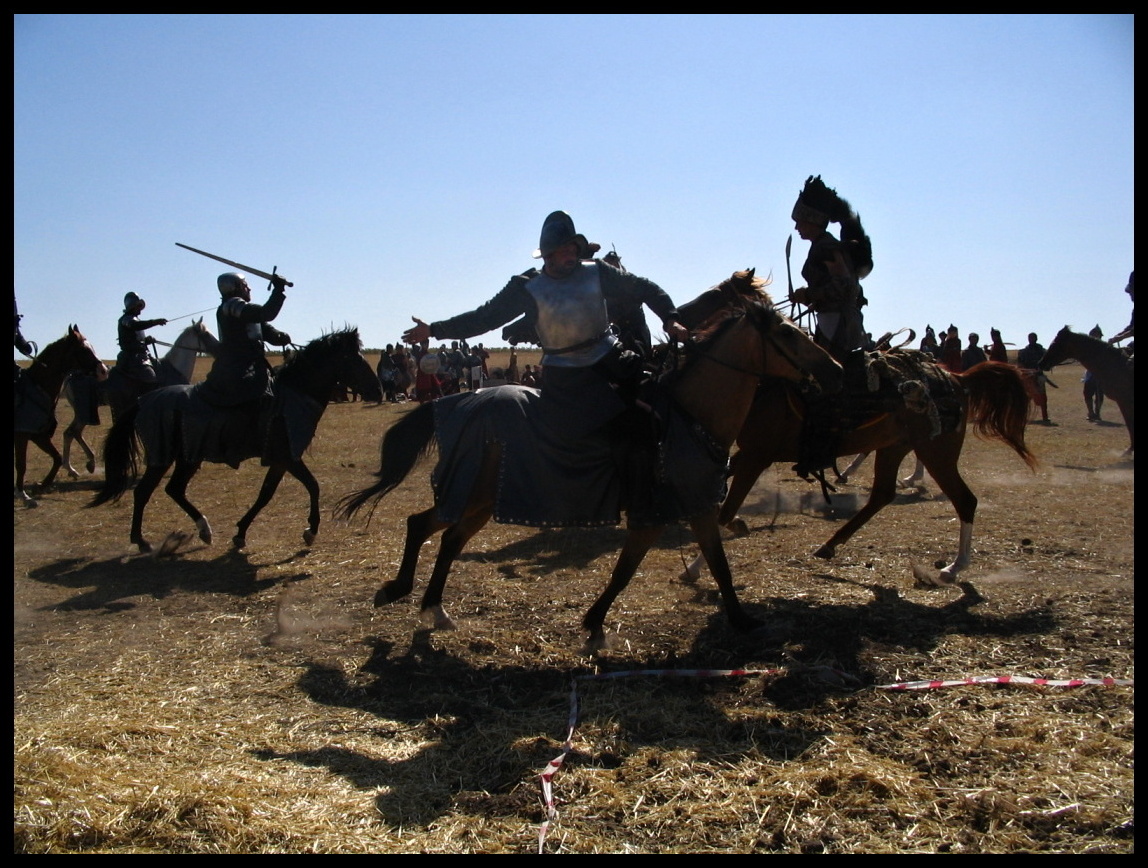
(572, 316)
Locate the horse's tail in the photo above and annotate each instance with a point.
(998, 405)
(404, 445)
(121, 454)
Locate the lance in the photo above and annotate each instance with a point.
(238, 265)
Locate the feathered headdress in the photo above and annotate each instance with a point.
(817, 203)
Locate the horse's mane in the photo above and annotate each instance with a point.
(345, 340)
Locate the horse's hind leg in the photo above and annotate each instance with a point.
(884, 489)
(942, 467)
(177, 490)
(20, 460)
(454, 539)
(420, 527)
(140, 497)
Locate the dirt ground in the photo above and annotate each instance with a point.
(256, 701)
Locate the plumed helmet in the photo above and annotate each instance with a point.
(132, 301)
(558, 229)
(230, 283)
(816, 203)
(1095, 332)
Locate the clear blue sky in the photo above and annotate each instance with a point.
(393, 166)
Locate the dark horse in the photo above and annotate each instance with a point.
(713, 388)
(85, 393)
(177, 427)
(1112, 369)
(36, 391)
(991, 395)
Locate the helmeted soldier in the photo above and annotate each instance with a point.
(241, 372)
(134, 360)
(567, 304)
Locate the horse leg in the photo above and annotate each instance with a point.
(45, 443)
(75, 432)
(270, 483)
(20, 459)
(478, 511)
(453, 540)
(638, 542)
(843, 477)
(880, 495)
(140, 497)
(708, 536)
(420, 527)
(916, 480)
(745, 470)
(177, 490)
(943, 468)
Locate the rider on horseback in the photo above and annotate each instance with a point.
(570, 304)
(241, 373)
(133, 360)
(833, 271)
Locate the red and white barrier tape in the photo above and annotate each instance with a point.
(547, 775)
(1005, 679)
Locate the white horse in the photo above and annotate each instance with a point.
(174, 369)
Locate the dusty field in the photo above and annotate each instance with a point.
(255, 701)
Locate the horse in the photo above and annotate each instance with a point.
(178, 427)
(714, 388)
(117, 392)
(36, 392)
(1113, 370)
(991, 396)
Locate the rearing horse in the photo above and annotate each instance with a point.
(36, 393)
(713, 388)
(178, 427)
(118, 392)
(1113, 370)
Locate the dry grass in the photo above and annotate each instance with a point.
(255, 702)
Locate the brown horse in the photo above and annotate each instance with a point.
(1112, 369)
(990, 395)
(714, 387)
(37, 389)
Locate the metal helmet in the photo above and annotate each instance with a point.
(132, 301)
(557, 229)
(230, 283)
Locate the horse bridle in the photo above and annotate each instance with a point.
(765, 334)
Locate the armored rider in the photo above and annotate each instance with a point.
(134, 361)
(568, 304)
(241, 373)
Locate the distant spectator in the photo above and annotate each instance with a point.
(973, 354)
(1028, 358)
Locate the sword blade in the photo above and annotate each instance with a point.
(230, 262)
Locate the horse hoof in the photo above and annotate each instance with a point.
(309, 536)
(437, 619)
(825, 553)
(738, 527)
(238, 541)
(204, 530)
(91, 466)
(143, 545)
(597, 643)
